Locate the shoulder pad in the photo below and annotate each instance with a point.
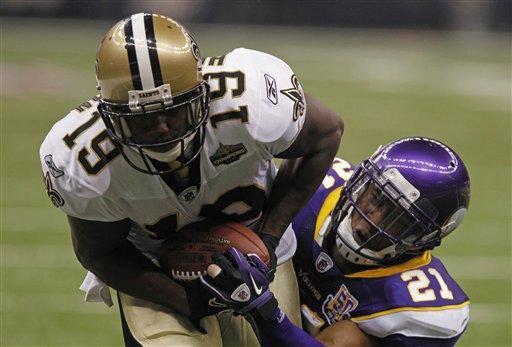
(420, 298)
(259, 92)
(66, 157)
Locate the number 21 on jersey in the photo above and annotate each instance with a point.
(419, 285)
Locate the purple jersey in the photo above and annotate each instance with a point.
(413, 303)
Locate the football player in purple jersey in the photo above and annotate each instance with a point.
(364, 265)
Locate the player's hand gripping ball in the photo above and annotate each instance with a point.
(187, 254)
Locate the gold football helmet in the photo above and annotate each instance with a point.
(153, 98)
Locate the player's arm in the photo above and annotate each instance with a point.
(304, 166)
(102, 248)
(280, 331)
(347, 333)
(344, 333)
(241, 283)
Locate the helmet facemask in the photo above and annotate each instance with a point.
(381, 217)
(138, 126)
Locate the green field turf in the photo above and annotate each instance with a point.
(454, 87)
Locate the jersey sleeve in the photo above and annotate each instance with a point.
(417, 299)
(431, 327)
(279, 106)
(67, 187)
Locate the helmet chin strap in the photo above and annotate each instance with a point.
(170, 155)
(165, 157)
(346, 244)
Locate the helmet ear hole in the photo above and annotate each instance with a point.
(453, 222)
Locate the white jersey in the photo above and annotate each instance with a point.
(257, 110)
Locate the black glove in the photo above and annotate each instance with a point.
(271, 242)
(201, 303)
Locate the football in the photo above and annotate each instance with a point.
(187, 254)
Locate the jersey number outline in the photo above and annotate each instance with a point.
(418, 285)
(251, 197)
(241, 112)
(343, 170)
(96, 145)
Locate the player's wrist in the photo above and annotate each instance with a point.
(265, 310)
(271, 242)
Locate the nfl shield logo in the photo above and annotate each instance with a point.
(242, 293)
(188, 194)
(323, 263)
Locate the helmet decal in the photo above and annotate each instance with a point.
(195, 50)
(454, 221)
(142, 52)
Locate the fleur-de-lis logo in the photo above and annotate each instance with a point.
(195, 50)
(297, 96)
(54, 195)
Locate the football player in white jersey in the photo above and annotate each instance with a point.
(173, 139)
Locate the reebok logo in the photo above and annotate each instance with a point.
(271, 85)
(54, 170)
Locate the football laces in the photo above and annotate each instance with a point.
(186, 275)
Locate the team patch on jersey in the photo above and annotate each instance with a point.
(337, 307)
(54, 170)
(323, 263)
(227, 154)
(54, 195)
(271, 84)
(297, 96)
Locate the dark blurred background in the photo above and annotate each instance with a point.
(492, 15)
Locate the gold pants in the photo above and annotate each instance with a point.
(155, 325)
